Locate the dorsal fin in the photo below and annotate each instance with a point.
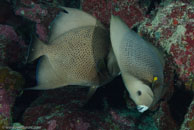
(117, 30)
(73, 19)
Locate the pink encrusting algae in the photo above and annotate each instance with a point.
(52, 125)
(12, 46)
(128, 123)
(188, 123)
(79, 124)
(128, 10)
(172, 29)
(11, 84)
(8, 33)
(42, 16)
(33, 13)
(163, 118)
(68, 113)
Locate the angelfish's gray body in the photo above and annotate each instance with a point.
(139, 62)
(75, 54)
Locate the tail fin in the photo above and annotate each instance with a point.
(36, 50)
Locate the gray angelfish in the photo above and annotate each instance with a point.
(78, 53)
(141, 65)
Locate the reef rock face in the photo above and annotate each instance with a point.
(64, 109)
(42, 13)
(129, 10)
(172, 29)
(188, 123)
(11, 84)
(38, 14)
(12, 47)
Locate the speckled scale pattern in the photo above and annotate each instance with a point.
(140, 58)
(74, 55)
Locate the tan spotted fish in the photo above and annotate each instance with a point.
(140, 63)
(78, 53)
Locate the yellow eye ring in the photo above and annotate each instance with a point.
(155, 79)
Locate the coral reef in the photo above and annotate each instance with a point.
(68, 112)
(188, 123)
(172, 28)
(11, 84)
(163, 118)
(42, 13)
(128, 10)
(12, 47)
(39, 14)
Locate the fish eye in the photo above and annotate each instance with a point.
(139, 93)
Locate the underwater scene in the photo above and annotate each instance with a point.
(96, 64)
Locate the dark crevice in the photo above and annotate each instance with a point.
(23, 102)
(150, 4)
(113, 92)
(180, 101)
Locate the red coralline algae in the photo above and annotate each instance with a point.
(36, 14)
(128, 123)
(33, 13)
(52, 124)
(6, 103)
(8, 33)
(188, 123)
(65, 110)
(128, 10)
(69, 113)
(42, 16)
(172, 29)
(11, 84)
(27, 2)
(163, 118)
(79, 124)
(12, 46)
(41, 31)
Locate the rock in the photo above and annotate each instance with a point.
(42, 13)
(172, 29)
(128, 10)
(41, 16)
(64, 109)
(163, 118)
(11, 84)
(188, 123)
(13, 49)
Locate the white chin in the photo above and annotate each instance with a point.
(142, 108)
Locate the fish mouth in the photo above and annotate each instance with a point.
(142, 108)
